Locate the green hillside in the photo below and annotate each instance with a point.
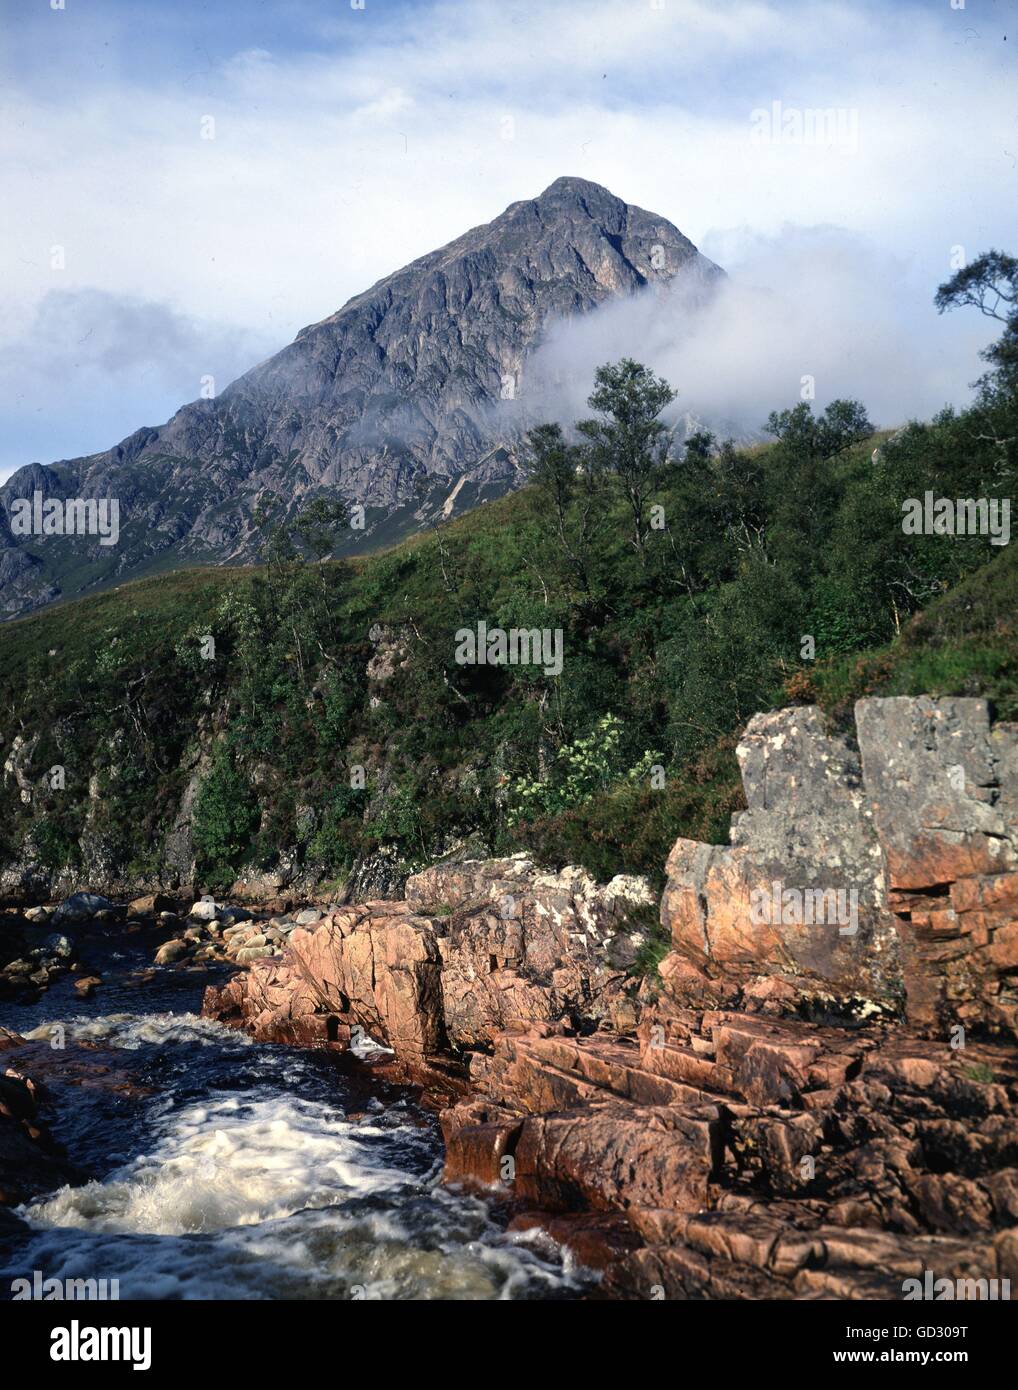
(333, 719)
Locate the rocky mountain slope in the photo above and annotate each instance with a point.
(408, 401)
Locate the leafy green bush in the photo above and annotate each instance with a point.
(225, 817)
(340, 836)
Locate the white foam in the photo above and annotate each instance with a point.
(266, 1193)
(138, 1030)
(229, 1162)
(269, 1195)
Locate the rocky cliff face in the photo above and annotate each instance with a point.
(921, 823)
(395, 402)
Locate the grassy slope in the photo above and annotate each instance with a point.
(964, 643)
(174, 600)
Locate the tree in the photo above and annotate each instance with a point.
(628, 439)
(316, 524)
(225, 817)
(277, 548)
(989, 284)
(804, 487)
(557, 469)
(813, 439)
(553, 465)
(716, 513)
(313, 528)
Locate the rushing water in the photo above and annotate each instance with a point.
(227, 1169)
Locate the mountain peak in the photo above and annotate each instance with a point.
(568, 185)
(393, 401)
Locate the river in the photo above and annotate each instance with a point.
(222, 1168)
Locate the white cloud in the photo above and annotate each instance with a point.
(813, 303)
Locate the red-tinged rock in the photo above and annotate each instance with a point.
(782, 1145)
(822, 1195)
(376, 966)
(951, 1204)
(1003, 1189)
(31, 1161)
(519, 945)
(736, 1237)
(509, 947)
(614, 1157)
(921, 827)
(767, 903)
(768, 1062)
(151, 905)
(681, 1063)
(1003, 948)
(595, 1240)
(1006, 1250)
(682, 1273)
(478, 1138)
(688, 984)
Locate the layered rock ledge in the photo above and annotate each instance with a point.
(734, 1156)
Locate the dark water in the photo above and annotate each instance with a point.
(226, 1169)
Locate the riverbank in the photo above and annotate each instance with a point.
(680, 1099)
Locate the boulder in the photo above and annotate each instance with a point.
(207, 909)
(805, 848)
(171, 951)
(79, 907)
(31, 1162)
(376, 966)
(151, 905)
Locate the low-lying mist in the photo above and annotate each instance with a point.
(814, 309)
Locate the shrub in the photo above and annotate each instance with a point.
(225, 817)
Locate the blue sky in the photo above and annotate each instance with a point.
(348, 141)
